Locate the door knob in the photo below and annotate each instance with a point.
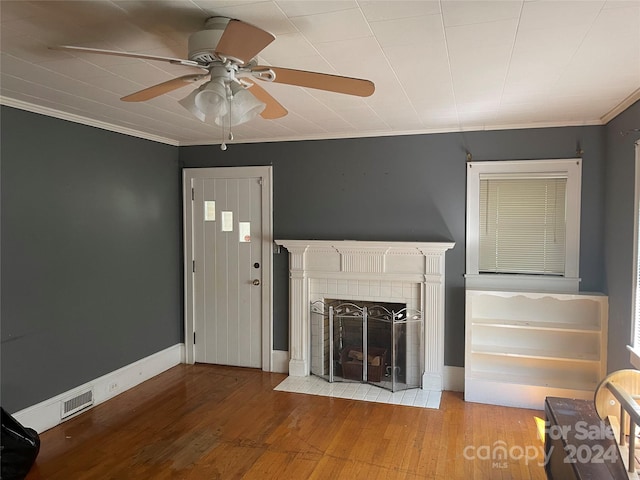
(256, 282)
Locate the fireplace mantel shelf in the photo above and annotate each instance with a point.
(367, 266)
(391, 246)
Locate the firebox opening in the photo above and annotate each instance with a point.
(386, 337)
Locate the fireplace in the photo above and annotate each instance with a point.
(367, 342)
(407, 273)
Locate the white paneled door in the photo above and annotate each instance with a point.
(228, 280)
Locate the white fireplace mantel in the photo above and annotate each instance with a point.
(363, 264)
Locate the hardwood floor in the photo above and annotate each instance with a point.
(212, 422)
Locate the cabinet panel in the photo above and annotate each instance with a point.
(535, 343)
(537, 371)
(582, 311)
(538, 343)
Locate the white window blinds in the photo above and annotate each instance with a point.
(522, 225)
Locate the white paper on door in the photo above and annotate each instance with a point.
(209, 211)
(227, 221)
(244, 230)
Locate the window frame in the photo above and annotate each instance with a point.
(635, 314)
(569, 168)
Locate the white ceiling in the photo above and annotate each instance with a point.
(438, 66)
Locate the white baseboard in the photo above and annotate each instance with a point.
(46, 414)
(454, 378)
(279, 361)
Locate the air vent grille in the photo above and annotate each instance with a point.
(77, 403)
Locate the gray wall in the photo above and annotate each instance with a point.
(406, 188)
(91, 230)
(620, 176)
(91, 273)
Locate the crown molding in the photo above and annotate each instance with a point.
(51, 112)
(621, 107)
(400, 133)
(71, 117)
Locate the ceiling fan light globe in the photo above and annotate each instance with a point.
(244, 107)
(238, 118)
(189, 102)
(211, 99)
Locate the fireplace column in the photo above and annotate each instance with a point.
(433, 311)
(298, 308)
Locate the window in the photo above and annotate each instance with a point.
(635, 291)
(523, 224)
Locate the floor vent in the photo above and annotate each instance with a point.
(77, 403)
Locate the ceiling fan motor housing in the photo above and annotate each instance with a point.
(202, 44)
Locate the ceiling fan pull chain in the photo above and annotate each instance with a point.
(223, 146)
(230, 136)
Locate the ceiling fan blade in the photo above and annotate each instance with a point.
(175, 61)
(273, 109)
(320, 81)
(242, 41)
(162, 88)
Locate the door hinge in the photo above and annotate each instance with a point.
(193, 194)
(193, 266)
(194, 338)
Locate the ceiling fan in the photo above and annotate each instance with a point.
(225, 52)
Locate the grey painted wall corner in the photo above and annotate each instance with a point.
(91, 254)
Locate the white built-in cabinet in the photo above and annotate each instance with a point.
(521, 347)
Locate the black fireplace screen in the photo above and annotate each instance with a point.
(376, 343)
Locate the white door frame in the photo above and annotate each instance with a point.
(265, 173)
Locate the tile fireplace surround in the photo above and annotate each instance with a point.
(402, 272)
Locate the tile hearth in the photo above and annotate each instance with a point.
(312, 385)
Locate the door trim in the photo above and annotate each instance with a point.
(265, 173)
